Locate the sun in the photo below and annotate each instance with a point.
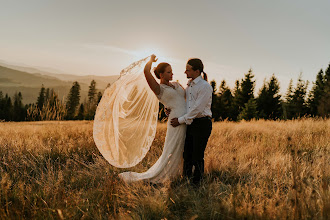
(143, 53)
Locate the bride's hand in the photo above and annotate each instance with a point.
(153, 58)
(167, 111)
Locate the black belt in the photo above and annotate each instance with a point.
(202, 118)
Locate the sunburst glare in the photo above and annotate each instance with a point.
(140, 54)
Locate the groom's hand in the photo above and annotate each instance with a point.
(175, 122)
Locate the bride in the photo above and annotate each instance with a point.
(172, 95)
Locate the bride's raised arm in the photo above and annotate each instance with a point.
(153, 84)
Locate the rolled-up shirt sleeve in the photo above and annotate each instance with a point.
(204, 96)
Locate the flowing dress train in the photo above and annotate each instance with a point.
(169, 164)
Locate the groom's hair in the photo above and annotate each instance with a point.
(197, 64)
(160, 69)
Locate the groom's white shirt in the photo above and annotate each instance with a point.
(198, 100)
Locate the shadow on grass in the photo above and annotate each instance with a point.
(228, 178)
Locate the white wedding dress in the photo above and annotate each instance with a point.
(169, 165)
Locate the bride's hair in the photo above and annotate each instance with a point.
(197, 64)
(160, 69)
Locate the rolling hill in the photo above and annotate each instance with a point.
(28, 81)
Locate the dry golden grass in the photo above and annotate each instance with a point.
(254, 170)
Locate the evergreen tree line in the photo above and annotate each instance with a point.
(12, 110)
(227, 104)
(49, 107)
(240, 103)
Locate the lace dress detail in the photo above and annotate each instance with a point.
(169, 165)
(126, 118)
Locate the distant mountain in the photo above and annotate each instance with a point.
(28, 81)
(101, 81)
(30, 69)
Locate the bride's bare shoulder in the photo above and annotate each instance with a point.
(178, 84)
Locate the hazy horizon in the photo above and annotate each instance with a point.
(102, 37)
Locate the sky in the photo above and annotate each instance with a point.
(101, 37)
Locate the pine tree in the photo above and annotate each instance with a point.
(246, 89)
(91, 104)
(81, 112)
(316, 93)
(249, 111)
(47, 95)
(41, 97)
(287, 105)
(262, 100)
(323, 108)
(298, 102)
(8, 111)
(99, 97)
(235, 107)
(289, 93)
(18, 108)
(327, 74)
(268, 101)
(275, 105)
(92, 91)
(225, 99)
(53, 98)
(73, 100)
(243, 92)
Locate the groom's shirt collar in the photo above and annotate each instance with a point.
(195, 81)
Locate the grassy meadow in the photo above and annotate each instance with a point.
(254, 170)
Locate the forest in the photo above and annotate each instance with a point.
(232, 104)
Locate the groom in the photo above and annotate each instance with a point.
(197, 118)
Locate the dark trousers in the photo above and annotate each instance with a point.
(197, 135)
